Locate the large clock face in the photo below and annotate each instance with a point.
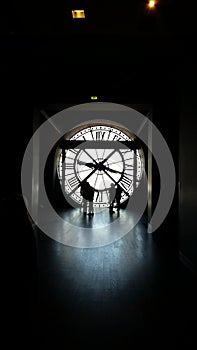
(100, 166)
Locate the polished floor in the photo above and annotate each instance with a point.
(128, 291)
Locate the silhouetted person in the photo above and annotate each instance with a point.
(87, 192)
(118, 196)
(112, 194)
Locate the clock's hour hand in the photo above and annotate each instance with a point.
(89, 165)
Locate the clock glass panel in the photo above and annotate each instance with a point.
(100, 167)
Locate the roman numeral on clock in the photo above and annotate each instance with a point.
(99, 197)
(125, 182)
(73, 181)
(100, 135)
(116, 138)
(69, 165)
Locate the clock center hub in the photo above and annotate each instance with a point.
(100, 166)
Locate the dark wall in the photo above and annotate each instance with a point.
(128, 70)
(16, 131)
(166, 118)
(188, 166)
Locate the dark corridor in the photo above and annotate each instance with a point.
(140, 289)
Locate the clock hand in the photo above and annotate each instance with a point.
(112, 170)
(89, 165)
(92, 165)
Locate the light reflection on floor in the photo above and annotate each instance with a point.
(77, 229)
(115, 263)
(117, 289)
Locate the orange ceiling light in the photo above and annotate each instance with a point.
(151, 4)
(78, 14)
